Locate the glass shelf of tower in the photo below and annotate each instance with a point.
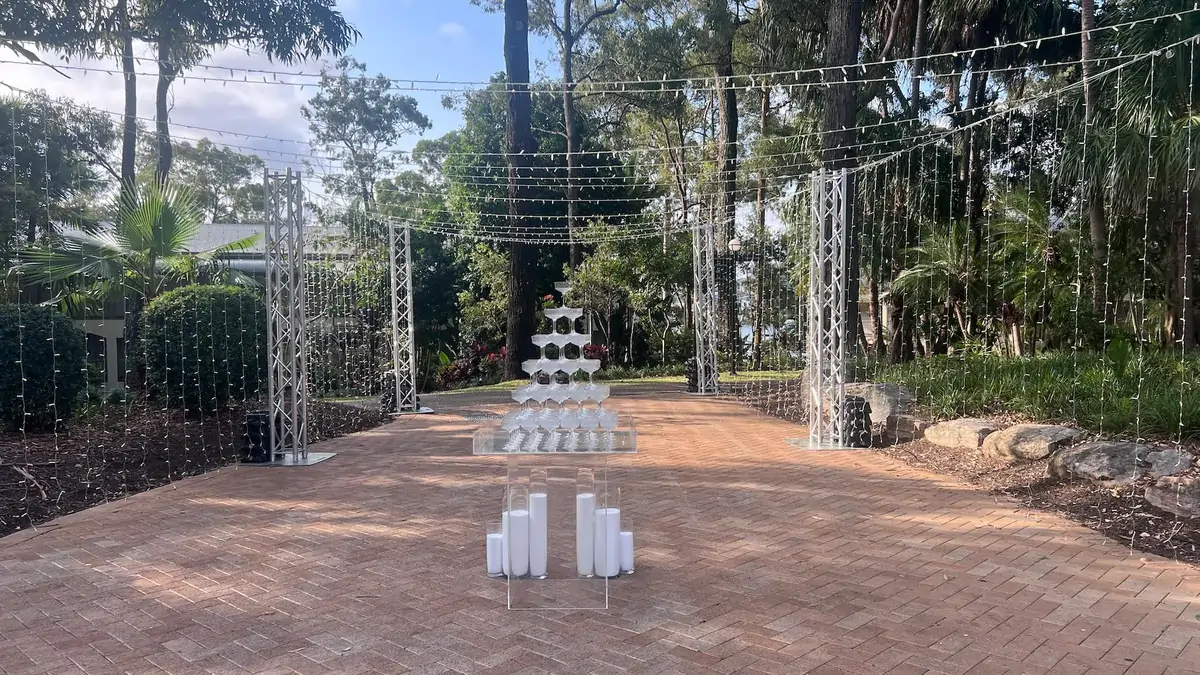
(495, 441)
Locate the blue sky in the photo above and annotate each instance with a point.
(432, 39)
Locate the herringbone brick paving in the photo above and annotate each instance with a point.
(754, 557)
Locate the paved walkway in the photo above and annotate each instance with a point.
(755, 557)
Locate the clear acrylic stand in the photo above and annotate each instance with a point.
(561, 529)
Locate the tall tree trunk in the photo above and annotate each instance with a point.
(844, 30)
(727, 142)
(572, 131)
(914, 95)
(760, 267)
(976, 192)
(1096, 217)
(167, 72)
(876, 317)
(522, 262)
(129, 121)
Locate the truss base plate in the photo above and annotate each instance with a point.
(419, 411)
(312, 458)
(804, 444)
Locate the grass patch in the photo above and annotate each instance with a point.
(1152, 397)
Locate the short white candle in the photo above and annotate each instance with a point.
(626, 551)
(495, 554)
(608, 542)
(585, 510)
(538, 534)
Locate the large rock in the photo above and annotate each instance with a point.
(1168, 462)
(1028, 442)
(1117, 462)
(968, 432)
(904, 428)
(1180, 496)
(886, 398)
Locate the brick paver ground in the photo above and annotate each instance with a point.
(755, 557)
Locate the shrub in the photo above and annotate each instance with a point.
(44, 368)
(204, 346)
(476, 365)
(596, 353)
(1150, 396)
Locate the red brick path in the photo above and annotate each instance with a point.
(755, 557)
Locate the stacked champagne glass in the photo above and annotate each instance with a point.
(562, 407)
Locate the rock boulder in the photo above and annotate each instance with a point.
(1028, 442)
(1180, 496)
(905, 428)
(1116, 462)
(964, 433)
(886, 398)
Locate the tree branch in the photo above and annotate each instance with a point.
(595, 15)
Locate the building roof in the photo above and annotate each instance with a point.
(212, 235)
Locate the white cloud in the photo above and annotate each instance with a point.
(453, 30)
(236, 106)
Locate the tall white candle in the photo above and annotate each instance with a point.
(538, 534)
(608, 542)
(495, 554)
(504, 559)
(518, 541)
(585, 510)
(626, 551)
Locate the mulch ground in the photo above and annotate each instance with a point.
(1119, 512)
(119, 450)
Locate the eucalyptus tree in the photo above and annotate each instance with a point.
(358, 120)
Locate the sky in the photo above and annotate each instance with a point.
(418, 39)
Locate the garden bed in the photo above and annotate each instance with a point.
(118, 451)
(1119, 512)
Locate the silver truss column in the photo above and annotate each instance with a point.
(287, 381)
(704, 285)
(826, 364)
(404, 350)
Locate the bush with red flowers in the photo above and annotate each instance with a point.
(476, 365)
(596, 352)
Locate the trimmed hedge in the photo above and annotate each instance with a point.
(43, 367)
(205, 346)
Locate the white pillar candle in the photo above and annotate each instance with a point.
(538, 534)
(585, 510)
(608, 542)
(504, 559)
(495, 554)
(518, 541)
(626, 551)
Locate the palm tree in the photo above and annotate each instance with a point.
(946, 267)
(1141, 156)
(144, 253)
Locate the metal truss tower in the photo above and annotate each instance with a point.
(704, 285)
(404, 352)
(287, 380)
(826, 363)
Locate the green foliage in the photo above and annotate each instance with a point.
(1149, 399)
(44, 367)
(52, 157)
(205, 346)
(1120, 353)
(143, 254)
(356, 119)
(226, 184)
